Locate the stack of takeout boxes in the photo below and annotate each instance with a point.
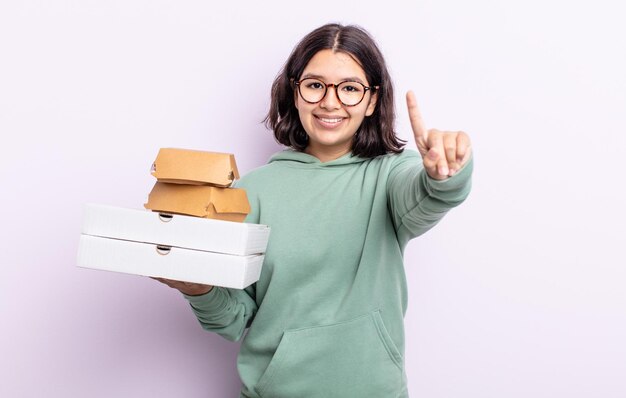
(193, 233)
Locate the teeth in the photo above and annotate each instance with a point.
(331, 120)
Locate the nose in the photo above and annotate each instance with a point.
(330, 100)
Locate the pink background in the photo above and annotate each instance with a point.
(518, 293)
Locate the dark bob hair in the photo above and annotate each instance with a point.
(376, 135)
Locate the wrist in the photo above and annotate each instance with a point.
(198, 291)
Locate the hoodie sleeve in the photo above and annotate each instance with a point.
(227, 312)
(418, 202)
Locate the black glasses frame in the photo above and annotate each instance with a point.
(334, 85)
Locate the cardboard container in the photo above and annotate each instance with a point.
(228, 204)
(185, 166)
(168, 262)
(175, 230)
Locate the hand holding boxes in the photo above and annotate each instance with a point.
(168, 242)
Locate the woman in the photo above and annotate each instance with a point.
(325, 319)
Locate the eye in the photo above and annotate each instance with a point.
(350, 87)
(313, 84)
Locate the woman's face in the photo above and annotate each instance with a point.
(330, 125)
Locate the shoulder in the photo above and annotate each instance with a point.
(406, 158)
(258, 176)
(393, 158)
(399, 165)
(262, 175)
(406, 155)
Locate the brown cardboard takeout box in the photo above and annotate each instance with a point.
(187, 166)
(199, 200)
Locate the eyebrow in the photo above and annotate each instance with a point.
(320, 77)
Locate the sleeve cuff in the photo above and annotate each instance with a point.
(215, 299)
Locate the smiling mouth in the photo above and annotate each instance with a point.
(335, 120)
(330, 121)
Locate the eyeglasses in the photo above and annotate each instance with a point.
(349, 93)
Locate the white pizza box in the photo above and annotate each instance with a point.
(175, 230)
(168, 262)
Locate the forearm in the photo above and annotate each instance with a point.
(419, 202)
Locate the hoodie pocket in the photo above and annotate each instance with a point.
(356, 358)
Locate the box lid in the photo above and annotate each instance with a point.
(183, 231)
(187, 166)
(197, 200)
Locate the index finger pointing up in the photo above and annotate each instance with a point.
(417, 123)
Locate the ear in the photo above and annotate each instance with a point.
(372, 105)
(295, 98)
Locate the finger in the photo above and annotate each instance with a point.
(449, 145)
(467, 156)
(417, 123)
(435, 142)
(164, 281)
(430, 163)
(463, 148)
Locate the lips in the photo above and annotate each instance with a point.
(329, 122)
(336, 120)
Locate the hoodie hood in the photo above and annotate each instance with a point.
(297, 158)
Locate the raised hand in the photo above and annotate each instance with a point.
(443, 152)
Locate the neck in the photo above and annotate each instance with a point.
(326, 154)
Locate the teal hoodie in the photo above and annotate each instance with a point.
(325, 319)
